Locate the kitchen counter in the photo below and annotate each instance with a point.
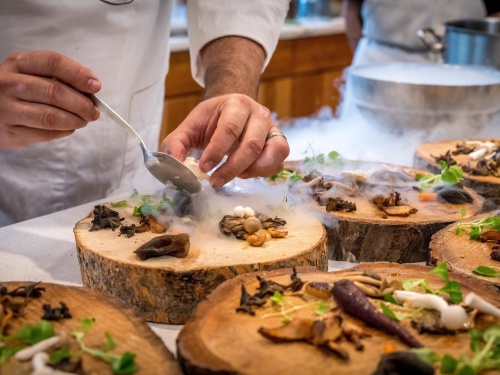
(295, 30)
(44, 249)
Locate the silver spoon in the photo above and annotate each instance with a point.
(163, 166)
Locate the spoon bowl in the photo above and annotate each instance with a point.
(162, 166)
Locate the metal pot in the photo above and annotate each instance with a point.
(466, 42)
(403, 96)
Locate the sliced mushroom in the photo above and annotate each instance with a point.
(296, 330)
(176, 245)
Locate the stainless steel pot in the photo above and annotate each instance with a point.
(466, 42)
(403, 96)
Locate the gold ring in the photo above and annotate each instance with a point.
(275, 134)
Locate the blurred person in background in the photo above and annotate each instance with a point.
(52, 52)
(384, 31)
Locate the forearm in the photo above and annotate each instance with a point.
(233, 65)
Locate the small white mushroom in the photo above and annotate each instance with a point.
(42, 346)
(239, 211)
(478, 303)
(39, 363)
(453, 317)
(248, 212)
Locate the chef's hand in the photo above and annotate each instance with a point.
(233, 125)
(41, 98)
(229, 121)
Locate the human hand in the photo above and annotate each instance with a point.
(41, 98)
(234, 125)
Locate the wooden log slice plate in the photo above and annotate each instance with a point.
(367, 235)
(461, 253)
(218, 340)
(487, 186)
(129, 332)
(167, 289)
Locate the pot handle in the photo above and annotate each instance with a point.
(433, 41)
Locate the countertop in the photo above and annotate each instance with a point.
(295, 30)
(43, 249)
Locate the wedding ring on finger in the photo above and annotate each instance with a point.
(275, 134)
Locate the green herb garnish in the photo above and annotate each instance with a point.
(486, 271)
(485, 346)
(278, 300)
(452, 288)
(450, 175)
(120, 364)
(291, 176)
(476, 227)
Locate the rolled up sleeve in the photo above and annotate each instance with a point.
(258, 20)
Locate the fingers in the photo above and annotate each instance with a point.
(42, 98)
(22, 136)
(241, 133)
(234, 126)
(270, 161)
(54, 65)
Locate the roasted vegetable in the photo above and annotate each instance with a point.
(354, 302)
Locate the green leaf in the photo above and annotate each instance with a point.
(277, 298)
(30, 334)
(387, 311)
(466, 370)
(440, 270)
(453, 290)
(59, 355)
(463, 212)
(448, 364)
(110, 344)
(390, 298)
(486, 271)
(323, 308)
(125, 364)
(122, 203)
(8, 351)
(87, 323)
(332, 155)
(427, 355)
(410, 284)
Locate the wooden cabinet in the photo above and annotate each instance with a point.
(303, 75)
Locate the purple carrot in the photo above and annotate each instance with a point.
(354, 302)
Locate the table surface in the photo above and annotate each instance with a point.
(43, 249)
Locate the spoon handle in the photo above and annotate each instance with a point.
(116, 118)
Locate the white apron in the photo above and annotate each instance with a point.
(126, 46)
(389, 27)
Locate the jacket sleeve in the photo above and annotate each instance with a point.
(259, 20)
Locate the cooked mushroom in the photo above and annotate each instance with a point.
(41, 346)
(176, 245)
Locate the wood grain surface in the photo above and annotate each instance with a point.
(167, 289)
(218, 340)
(487, 186)
(129, 332)
(461, 253)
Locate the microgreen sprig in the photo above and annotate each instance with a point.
(452, 288)
(120, 364)
(450, 175)
(476, 227)
(278, 300)
(485, 346)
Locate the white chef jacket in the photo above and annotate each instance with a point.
(390, 26)
(126, 46)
